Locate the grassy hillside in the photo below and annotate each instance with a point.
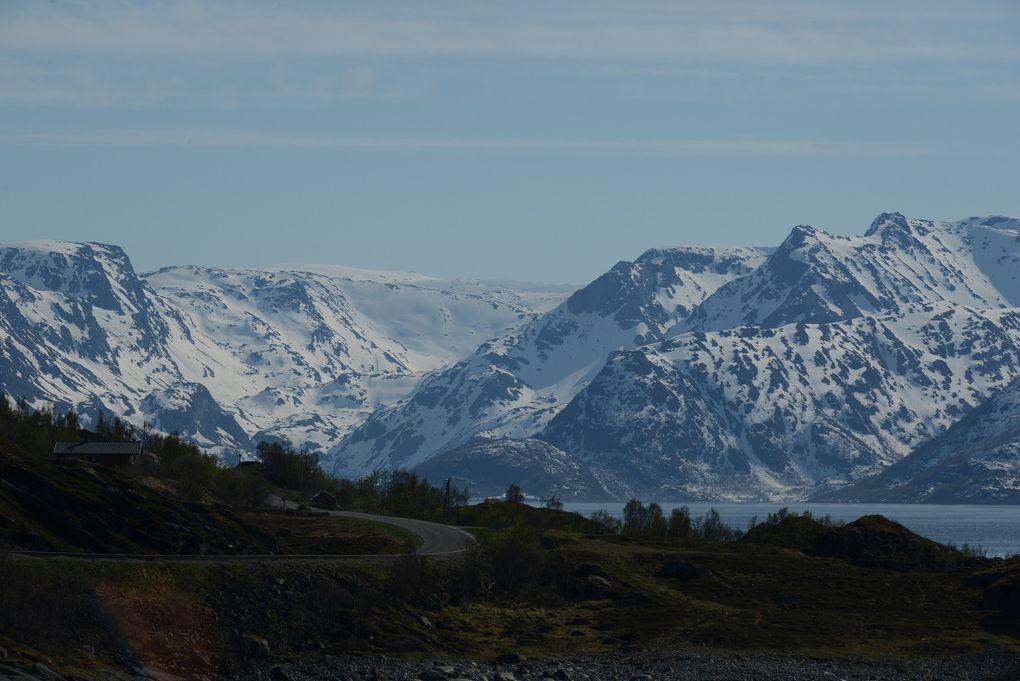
(71, 506)
(538, 588)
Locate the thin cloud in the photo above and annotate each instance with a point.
(258, 140)
(87, 84)
(798, 35)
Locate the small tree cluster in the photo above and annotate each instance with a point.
(649, 521)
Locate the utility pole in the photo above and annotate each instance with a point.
(446, 500)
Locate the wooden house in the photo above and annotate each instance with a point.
(113, 454)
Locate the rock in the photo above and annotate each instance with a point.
(511, 658)
(45, 673)
(3, 653)
(599, 582)
(432, 675)
(586, 569)
(254, 647)
(15, 674)
(562, 675)
(684, 571)
(504, 676)
(424, 621)
(278, 673)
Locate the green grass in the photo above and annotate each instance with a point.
(320, 534)
(763, 598)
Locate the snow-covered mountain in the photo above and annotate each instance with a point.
(816, 364)
(977, 460)
(828, 365)
(307, 352)
(510, 387)
(228, 356)
(818, 277)
(757, 413)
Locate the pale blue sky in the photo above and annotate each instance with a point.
(524, 140)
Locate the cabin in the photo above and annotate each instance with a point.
(324, 499)
(113, 454)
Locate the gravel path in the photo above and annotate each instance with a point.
(645, 667)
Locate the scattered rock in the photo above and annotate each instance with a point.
(504, 676)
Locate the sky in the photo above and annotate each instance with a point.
(523, 140)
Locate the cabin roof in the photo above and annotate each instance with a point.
(97, 448)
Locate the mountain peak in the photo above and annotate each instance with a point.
(887, 221)
(798, 237)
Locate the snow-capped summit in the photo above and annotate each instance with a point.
(511, 386)
(817, 277)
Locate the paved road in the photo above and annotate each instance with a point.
(437, 540)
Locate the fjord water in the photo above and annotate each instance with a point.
(996, 529)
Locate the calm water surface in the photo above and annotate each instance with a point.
(996, 529)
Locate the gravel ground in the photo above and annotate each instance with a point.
(645, 667)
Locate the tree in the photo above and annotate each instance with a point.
(680, 523)
(607, 521)
(657, 524)
(635, 517)
(514, 494)
(554, 503)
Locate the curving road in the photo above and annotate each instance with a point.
(436, 540)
